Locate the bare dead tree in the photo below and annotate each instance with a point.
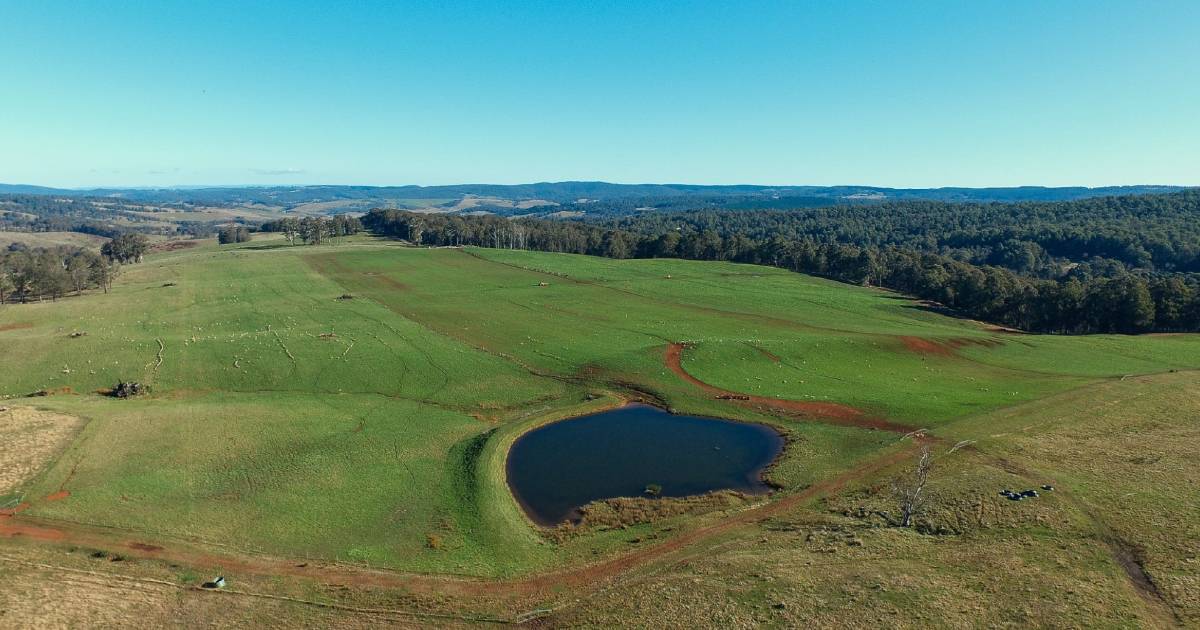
(909, 490)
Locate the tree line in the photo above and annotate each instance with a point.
(97, 216)
(314, 230)
(29, 274)
(1105, 236)
(1124, 302)
(52, 272)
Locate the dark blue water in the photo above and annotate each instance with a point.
(558, 468)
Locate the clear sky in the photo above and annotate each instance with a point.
(906, 94)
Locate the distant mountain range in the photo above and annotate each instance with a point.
(578, 192)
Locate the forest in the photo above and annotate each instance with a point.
(107, 217)
(311, 230)
(1101, 236)
(1110, 265)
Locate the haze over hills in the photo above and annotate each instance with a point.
(575, 191)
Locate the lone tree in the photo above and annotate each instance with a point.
(313, 230)
(126, 248)
(290, 227)
(909, 490)
(79, 269)
(103, 273)
(233, 234)
(6, 283)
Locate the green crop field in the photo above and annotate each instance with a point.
(354, 402)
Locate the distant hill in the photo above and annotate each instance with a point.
(576, 192)
(23, 189)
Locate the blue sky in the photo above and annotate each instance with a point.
(906, 94)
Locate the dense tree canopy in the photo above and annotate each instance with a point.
(233, 234)
(314, 230)
(1093, 237)
(27, 274)
(1074, 303)
(126, 248)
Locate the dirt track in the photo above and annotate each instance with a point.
(537, 589)
(534, 588)
(539, 586)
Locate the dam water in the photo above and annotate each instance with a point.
(555, 469)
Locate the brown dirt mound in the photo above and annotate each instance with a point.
(831, 412)
(16, 326)
(58, 496)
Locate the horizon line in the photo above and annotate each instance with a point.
(185, 187)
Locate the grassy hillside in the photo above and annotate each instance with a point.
(1121, 455)
(51, 239)
(289, 418)
(766, 332)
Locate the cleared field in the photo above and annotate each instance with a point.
(51, 239)
(748, 329)
(353, 404)
(285, 420)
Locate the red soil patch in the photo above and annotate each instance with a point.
(833, 413)
(946, 348)
(58, 496)
(16, 326)
(9, 529)
(926, 346)
(54, 391)
(17, 509)
(540, 586)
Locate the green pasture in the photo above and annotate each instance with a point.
(355, 401)
(749, 329)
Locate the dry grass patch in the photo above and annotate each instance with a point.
(51, 239)
(1129, 452)
(623, 512)
(815, 572)
(29, 438)
(57, 589)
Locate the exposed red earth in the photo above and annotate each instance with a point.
(580, 577)
(829, 412)
(947, 348)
